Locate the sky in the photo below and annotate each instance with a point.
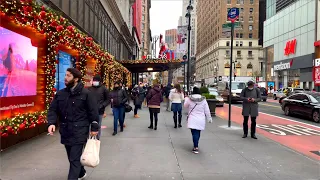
(164, 15)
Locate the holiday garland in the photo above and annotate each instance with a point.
(152, 61)
(58, 31)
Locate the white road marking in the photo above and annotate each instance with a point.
(285, 118)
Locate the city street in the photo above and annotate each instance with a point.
(273, 107)
(298, 134)
(141, 153)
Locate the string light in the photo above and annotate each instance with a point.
(58, 31)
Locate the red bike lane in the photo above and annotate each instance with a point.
(301, 137)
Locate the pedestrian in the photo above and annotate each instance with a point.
(118, 98)
(250, 97)
(76, 108)
(102, 96)
(154, 99)
(176, 97)
(167, 93)
(138, 97)
(124, 112)
(198, 113)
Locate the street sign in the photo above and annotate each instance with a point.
(233, 14)
(227, 27)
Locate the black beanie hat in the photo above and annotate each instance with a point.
(97, 78)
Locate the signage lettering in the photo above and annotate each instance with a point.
(282, 66)
(316, 62)
(290, 47)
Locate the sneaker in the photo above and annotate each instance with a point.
(136, 116)
(83, 177)
(195, 150)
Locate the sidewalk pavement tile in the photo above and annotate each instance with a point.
(139, 153)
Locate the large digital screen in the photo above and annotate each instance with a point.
(18, 65)
(65, 61)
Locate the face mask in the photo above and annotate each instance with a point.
(95, 83)
(250, 88)
(70, 84)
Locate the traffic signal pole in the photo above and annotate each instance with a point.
(230, 75)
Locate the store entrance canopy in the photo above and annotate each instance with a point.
(154, 65)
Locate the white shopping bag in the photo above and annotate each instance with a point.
(90, 155)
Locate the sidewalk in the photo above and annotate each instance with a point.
(141, 153)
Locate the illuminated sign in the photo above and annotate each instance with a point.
(283, 66)
(316, 62)
(290, 47)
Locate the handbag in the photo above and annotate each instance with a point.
(128, 108)
(90, 155)
(191, 111)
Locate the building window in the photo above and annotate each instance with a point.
(251, 1)
(227, 52)
(143, 9)
(238, 52)
(240, 1)
(143, 17)
(228, 43)
(250, 43)
(237, 43)
(249, 53)
(241, 43)
(241, 18)
(250, 35)
(241, 10)
(229, 2)
(226, 71)
(143, 35)
(251, 19)
(251, 10)
(241, 35)
(250, 27)
(237, 35)
(228, 9)
(143, 26)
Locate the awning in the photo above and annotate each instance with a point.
(155, 65)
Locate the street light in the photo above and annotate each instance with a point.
(188, 15)
(155, 39)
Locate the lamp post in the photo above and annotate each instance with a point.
(155, 39)
(188, 15)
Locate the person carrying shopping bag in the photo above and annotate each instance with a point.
(198, 113)
(176, 97)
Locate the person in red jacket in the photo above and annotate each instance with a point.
(154, 99)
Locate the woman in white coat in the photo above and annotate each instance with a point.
(198, 113)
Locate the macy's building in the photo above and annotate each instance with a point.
(289, 36)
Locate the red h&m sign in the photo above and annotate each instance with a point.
(290, 47)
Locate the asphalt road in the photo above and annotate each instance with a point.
(274, 108)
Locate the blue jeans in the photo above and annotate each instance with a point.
(100, 124)
(195, 137)
(118, 114)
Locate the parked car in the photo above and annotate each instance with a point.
(236, 88)
(306, 104)
(218, 97)
(264, 94)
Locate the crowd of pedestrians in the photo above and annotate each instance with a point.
(79, 111)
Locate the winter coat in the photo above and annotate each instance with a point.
(76, 110)
(176, 97)
(250, 108)
(138, 96)
(167, 91)
(154, 97)
(198, 111)
(118, 97)
(102, 96)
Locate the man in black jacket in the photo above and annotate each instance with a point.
(118, 98)
(76, 108)
(102, 96)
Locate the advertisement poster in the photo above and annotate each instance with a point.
(316, 75)
(182, 39)
(91, 64)
(18, 71)
(65, 61)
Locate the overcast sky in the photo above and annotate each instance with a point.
(164, 15)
